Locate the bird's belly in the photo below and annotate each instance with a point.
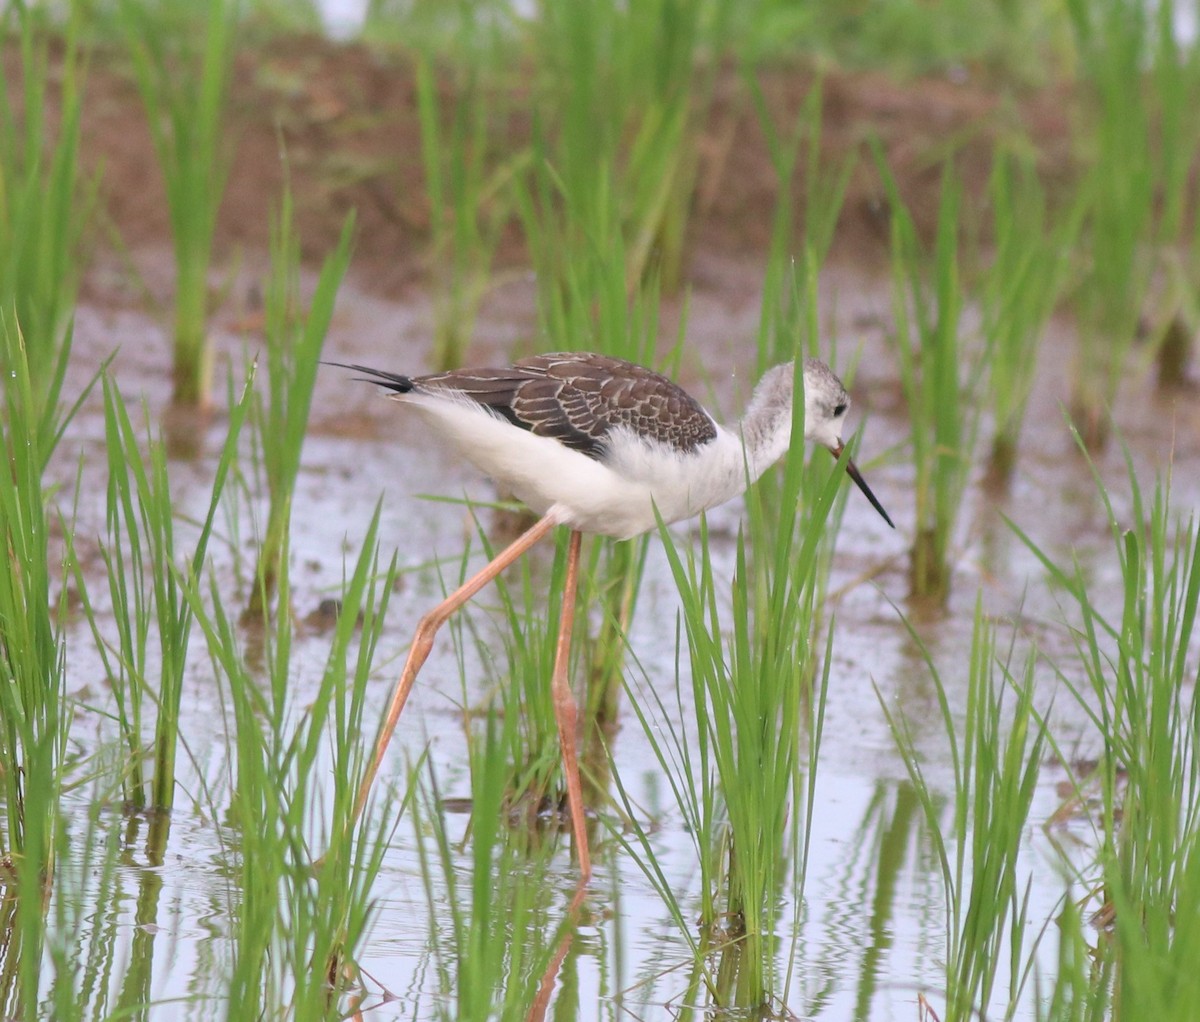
(616, 497)
(638, 485)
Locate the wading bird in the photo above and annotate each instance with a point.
(604, 446)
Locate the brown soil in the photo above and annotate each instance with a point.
(346, 117)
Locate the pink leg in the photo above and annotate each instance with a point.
(422, 643)
(564, 707)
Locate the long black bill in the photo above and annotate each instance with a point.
(853, 472)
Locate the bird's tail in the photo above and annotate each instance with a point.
(392, 381)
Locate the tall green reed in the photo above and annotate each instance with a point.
(789, 321)
(146, 662)
(1137, 650)
(301, 916)
(183, 61)
(940, 384)
(43, 205)
(996, 762)
(294, 340)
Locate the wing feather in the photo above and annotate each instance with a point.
(580, 399)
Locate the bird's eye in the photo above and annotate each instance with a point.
(839, 410)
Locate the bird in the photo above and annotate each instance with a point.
(603, 446)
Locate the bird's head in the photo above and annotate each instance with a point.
(825, 405)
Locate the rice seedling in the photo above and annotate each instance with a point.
(294, 340)
(727, 757)
(77, 969)
(33, 708)
(52, 949)
(44, 207)
(30, 648)
(1175, 77)
(1137, 649)
(464, 185)
(148, 588)
(685, 761)
(301, 918)
(940, 386)
(1020, 41)
(494, 942)
(521, 676)
(996, 763)
(1019, 290)
(789, 322)
(183, 65)
(1174, 72)
(824, 194)
(760, 712)
(1140, 149)
(517, 654)
(1078, 988)
(623, 89)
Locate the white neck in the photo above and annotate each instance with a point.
(766, 428)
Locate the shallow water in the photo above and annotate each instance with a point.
(872, 919)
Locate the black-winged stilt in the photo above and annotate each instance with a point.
(598, 445)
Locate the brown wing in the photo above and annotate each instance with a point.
(579, 399)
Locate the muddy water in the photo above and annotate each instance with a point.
(872, 932)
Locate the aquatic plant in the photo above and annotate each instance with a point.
(1176, 77)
